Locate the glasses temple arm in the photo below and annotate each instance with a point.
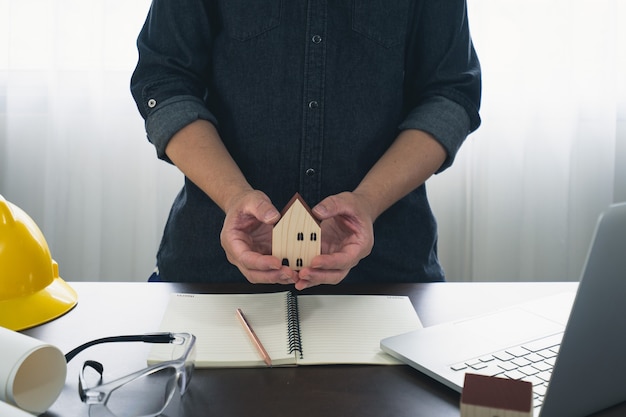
(146, 338)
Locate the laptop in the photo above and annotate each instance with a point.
(571, 346)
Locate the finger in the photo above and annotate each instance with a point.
(311, 278)
(265, 269)
(257, 276)
(325, 269)
(326, 208)
(335, 261)
(254, 261)
(267, 277)
(261, 207)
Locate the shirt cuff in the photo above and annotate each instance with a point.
(445, 120)
(170, 116)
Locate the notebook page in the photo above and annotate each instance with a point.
(221, 339)
(348, 328)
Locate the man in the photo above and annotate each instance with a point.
(354, 104)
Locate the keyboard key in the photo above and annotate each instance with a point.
(477, 365)
(545, 343)
(529, 370)
(521, 362)
(540, 390)
(517, 351)
(503, 356)
(458, 367)
(533, 357)
(546, 353)
(545, 375)
(534, 380)
(514, 374)
(542, 366)
(490, 370)
(507, 365)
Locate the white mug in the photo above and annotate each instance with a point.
(32, 373)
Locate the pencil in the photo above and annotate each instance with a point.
(254, 338)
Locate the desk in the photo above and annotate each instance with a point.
(108, 309)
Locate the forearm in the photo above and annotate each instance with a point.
(408, 163)
(198, 151)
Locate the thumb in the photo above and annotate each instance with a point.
(255, 204)
(326, 208)
(264, 210)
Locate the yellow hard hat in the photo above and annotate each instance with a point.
(31, 291)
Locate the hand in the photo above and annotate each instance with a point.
(347, 237)
(247, 239)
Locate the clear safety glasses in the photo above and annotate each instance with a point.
(144, 393)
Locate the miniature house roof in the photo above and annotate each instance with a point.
(297, 200)
(497, 393)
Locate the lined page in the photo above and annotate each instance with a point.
(221, 339)
(348, 328)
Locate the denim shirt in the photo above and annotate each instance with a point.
(307, 96)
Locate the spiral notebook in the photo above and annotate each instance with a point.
(294, 329)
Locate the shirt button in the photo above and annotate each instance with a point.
(152, 103)
(310, 172)
(316, 38)
(313, 104)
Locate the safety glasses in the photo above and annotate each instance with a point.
(144, 393)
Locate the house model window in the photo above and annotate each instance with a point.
(288, 237)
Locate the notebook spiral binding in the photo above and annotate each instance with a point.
(293, 325)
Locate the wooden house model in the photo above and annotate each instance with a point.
(488, 396)
(296, 238)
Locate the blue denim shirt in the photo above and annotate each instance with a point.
(307, 96)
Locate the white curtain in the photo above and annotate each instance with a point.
(523, 198)
(519, 204)
(73, 152)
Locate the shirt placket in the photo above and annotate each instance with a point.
(313, 102)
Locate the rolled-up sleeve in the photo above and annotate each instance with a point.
(171, 116)
(443, 75)
(169, 83)
(445, 120)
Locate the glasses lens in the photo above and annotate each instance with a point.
(145, 396)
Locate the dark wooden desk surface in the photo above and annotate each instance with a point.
(109, 309)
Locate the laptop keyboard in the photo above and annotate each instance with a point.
(531, 362)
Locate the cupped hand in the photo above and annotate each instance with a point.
(347, 237)
(247, 239)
